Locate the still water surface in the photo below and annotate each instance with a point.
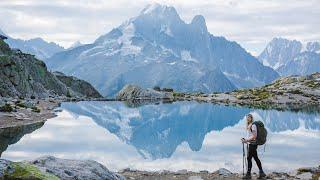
(181, 135)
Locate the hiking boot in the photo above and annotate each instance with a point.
(261, 175)
(247, 176)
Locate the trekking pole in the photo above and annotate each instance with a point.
(243, 154)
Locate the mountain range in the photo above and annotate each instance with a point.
(157, 48)
(37, 46)
(291, 57)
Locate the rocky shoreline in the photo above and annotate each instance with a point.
(222, 173)
(293, 93)
(49, 167)
(19, 112)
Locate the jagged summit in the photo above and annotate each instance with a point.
(313, 47)
(291, 57)
(158, 9)
(279, 51)
(75, 45)
(199, 22)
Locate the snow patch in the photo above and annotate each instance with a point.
(164, 134)
(265, 62)
(128, 31)
(165, 29)
(206, 86)
(186, 56)
(277, 65)
(172, 63)
(231, 75)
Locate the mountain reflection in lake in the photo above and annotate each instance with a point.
(181, 135)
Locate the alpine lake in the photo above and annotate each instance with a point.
(166, 136)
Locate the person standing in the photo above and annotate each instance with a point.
(252, 150)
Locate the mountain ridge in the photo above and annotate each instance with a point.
(291, 57)
(166, 52)
(36, 46)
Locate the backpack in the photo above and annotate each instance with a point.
(261, 133)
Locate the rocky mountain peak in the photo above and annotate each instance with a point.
(290, 57)
(279, 51)
(200, 22)
(75, 45)
(313, 46)
(159, 10)
(288, 44)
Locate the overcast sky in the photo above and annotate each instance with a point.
(252, 23)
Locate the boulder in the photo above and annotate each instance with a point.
(224, 172)
(75, 169)
(130, 92)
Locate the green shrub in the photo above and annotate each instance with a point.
(6, 108)
(23, 170)
(167, 89)
(35, 109)
(156, 88)
(312, 84)
(20, 104)
(295, 91)
(68, 94)
(177, 94)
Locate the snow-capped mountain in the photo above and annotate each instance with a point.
(158, 48)
(291, 57)
(75, 44)
(280, 51)
(37, 46)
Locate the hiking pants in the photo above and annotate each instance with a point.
(253, 153)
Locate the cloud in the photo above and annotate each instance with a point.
(250, 23)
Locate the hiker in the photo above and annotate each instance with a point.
(253, 145)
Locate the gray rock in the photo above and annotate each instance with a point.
(306, 175)
(2, 102)
(78, 86)
(195, 178)
(224, 172)
(75, 169)
(4, 164)
(135, 92)
(182, 171)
